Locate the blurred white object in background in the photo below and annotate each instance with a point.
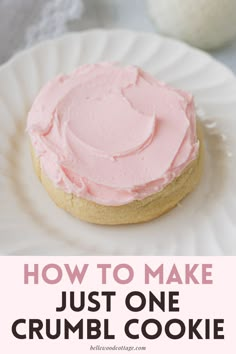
(207, 24)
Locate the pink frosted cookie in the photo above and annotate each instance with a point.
(112, 145)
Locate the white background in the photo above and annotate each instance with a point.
(18, 16)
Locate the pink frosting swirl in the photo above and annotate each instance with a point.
(112, 134)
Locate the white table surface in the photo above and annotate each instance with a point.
(17, 15)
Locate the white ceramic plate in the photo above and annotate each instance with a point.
(204, 223)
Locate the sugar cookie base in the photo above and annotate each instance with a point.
(137, 211)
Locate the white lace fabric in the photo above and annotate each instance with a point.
(53, 20)
(26, 22)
